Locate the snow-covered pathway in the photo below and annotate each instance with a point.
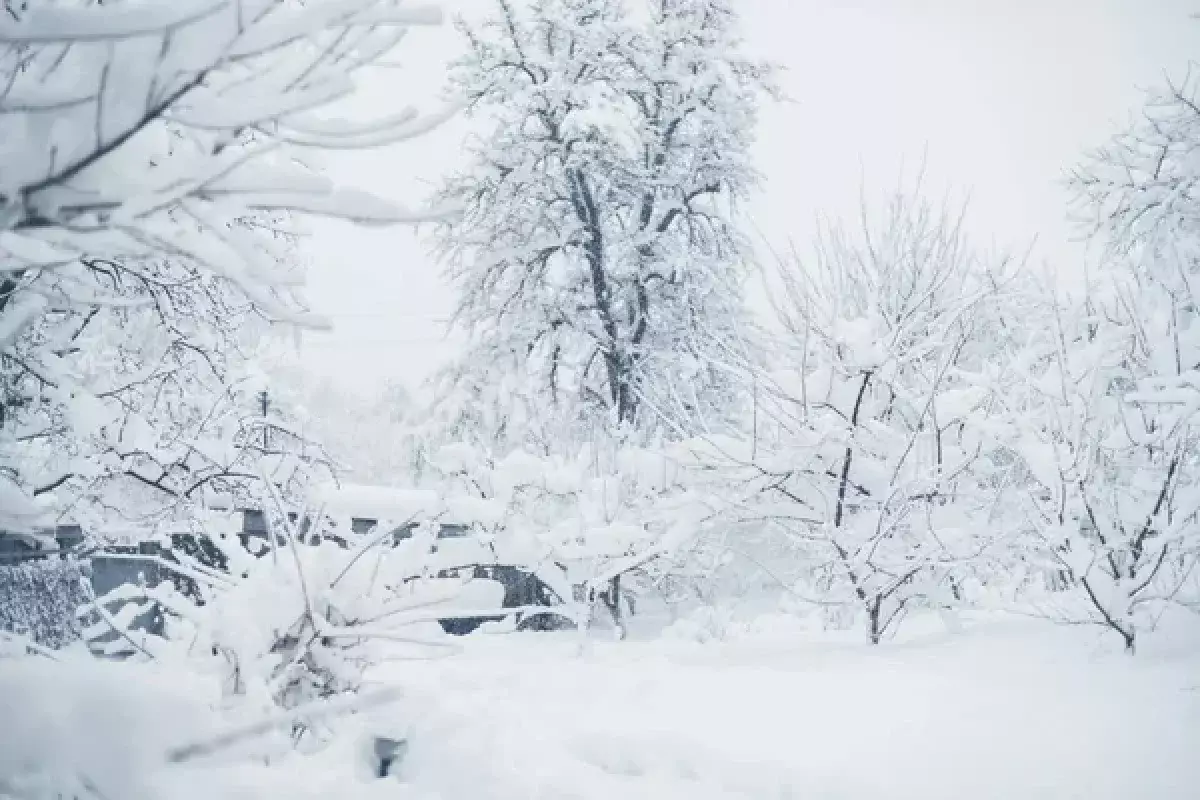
(1012, 710)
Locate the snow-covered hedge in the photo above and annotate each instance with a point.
(39, 599)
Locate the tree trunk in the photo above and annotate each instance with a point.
(615, 360)
(612, 599)
(874, 609)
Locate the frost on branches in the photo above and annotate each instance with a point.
(153, 164)
(870, 432)
(598, 232)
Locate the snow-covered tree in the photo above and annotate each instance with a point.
(1108, 495)
(868, 449)
(1106, 401)
(154, 161)
(598, 233)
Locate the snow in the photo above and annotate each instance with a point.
(377, 502)
(22, 311)
(55, 24)
(356, 206)
(60, 718)
(1008, 709)
(18, 511)
(284, 27)
(477, 594)
(769, 708)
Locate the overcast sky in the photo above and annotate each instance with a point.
(998, 97)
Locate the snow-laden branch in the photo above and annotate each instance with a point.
(46, 24)
(150, 179)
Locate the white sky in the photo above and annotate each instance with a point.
(998, 97)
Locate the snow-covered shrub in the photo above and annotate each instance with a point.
(296, 617)
(594, 526)
(39, 599)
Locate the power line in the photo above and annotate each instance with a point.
(441, 319)
(384, 341)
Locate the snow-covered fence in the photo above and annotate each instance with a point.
(39, 598)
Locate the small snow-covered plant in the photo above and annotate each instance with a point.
(295, 617)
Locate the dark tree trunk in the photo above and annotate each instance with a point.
(616, 362)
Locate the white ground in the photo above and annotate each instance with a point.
(1010, 708)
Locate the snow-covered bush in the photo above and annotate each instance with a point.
(39, 599)
(298, 616)
(583, 523)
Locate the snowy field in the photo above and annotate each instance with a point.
(1009, 709)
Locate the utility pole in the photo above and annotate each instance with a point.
(264, 403)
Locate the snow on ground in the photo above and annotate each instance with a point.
(1010, 708)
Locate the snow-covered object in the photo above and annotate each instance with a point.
(19, 511)
(1101, 394)
(39, 599)
(343, 502)
(580, 524)
(153, 170)
(1110, 475)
